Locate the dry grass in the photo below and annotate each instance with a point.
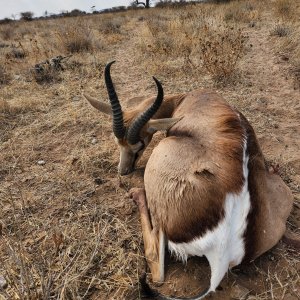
(242, 12)
(285, 9)
(280, 30)
(7, 32)
(61, 260)
(76, 37)
(290, 42)
(17, 52)
(111, 26)
(221, 51)
(58, 240)
(191, 39)
(5, 77)
(67, 230)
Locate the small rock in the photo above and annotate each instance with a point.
(262, 101)
(3, 282)
(271, 257)
(252, 24)
(239, 292)
(94, 141)
(284, 57)
(41, 162)
(17, 77)
(90, 193)
(98, 181)
(76, 98)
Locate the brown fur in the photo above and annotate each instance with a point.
(190, 172)
(169, 105)
(186, 196)
(271, 202)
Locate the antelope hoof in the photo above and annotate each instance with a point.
(138, 196)
(291, 239)
(274, 169)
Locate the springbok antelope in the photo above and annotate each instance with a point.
(208, 189)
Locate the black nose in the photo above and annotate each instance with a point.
(126, 172)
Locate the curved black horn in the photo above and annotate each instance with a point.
(118, 123)
(134, 130)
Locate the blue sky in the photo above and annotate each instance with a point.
(38, 7)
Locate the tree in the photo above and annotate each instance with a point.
(76, 12)
(27, 15)
(146, 4)
(5, 21)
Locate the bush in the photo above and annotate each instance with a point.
(240, 12)
(27, 16)
(190, 39)
(46, 75)
(284, 8)
(6, 21)
(280, 30)
(76, 38)
(220, 51)
(111, 26)
(49, 70)
(17, 52)
(173, 4)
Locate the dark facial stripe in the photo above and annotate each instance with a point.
(136, 156)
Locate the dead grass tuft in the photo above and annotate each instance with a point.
(7, 31)
(17, 52)
(76, 37)
(194, 41)
(21, 107)
(4, 106)
(46, 75)
(111, 26)
(290, 45)
(284, 8)
(5, 77)
(241, 11)
(280, 30)
(221, 51)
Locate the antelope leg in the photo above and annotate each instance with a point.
(154, 239)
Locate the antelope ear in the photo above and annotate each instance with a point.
(161, 124)
(101, 106)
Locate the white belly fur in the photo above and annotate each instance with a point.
(224, 246)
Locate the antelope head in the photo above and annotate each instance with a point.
(133, 129)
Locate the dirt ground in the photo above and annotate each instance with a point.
(67, 228)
